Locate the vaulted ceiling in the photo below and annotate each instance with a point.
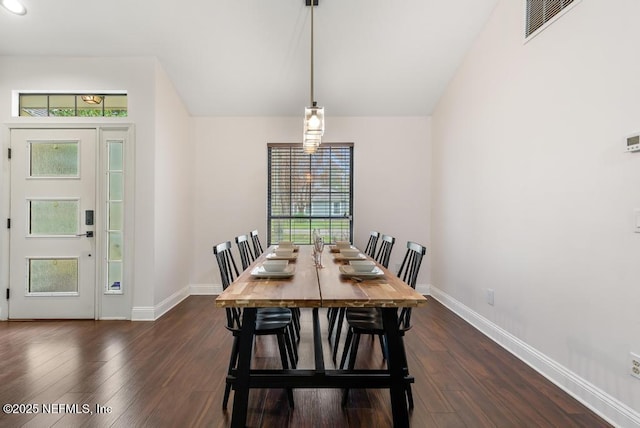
(252, 57)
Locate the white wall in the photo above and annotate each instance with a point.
(173, 190)
(391, 180)
(533, 192)
(136, 75)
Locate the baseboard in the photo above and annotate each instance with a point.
(152, 313)
(423, 289)
(142, 313)
(205, 289)
(601, 403)
(171, 301)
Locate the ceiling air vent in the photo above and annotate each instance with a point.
(539, 12)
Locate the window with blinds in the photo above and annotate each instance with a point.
(539, 12)
(310, 192)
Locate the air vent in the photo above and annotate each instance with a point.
(539, 12)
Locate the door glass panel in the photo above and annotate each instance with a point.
(115, 156)
(115, 215)
(53, 275)
(115, 276)
(115, 245)
(115, 221)
(53, 159)
(53, 217)
(115, 186)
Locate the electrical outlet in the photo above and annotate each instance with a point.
(635, 365)
(489, 296)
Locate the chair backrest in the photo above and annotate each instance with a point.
(228, 273)
(384, 252)
(257, 246)
(246, 256)
(408, 272)
(226, 263)
(370, 249)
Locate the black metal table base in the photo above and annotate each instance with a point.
(243, 378)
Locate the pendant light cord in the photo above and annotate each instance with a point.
(312, 99)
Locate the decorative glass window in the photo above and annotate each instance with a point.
(73, 105)
(53, 276)
(310, 192)
(115, 215)
(54, 159)
(53, 217)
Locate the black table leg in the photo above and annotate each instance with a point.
(241, 395)
(317, 343)
(396, 369)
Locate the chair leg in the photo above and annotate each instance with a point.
(352, 363)
(331, 316)
(291, 349)
(295, 318)
(409, 396)
(282, 340)
(345, 350)
(383, 347)
(291, 343)
(232, 363)
(340, 317)
(354, 351)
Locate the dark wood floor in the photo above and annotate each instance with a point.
(171, 373)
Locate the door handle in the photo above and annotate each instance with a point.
(88, 234)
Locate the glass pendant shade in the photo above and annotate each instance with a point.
(310, 143)
(314, 120)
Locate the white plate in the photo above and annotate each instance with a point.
(340, 256)
(274, 256)
(260, 272)
(335, 249)
(295, 247)
(349, 271)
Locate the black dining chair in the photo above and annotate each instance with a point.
(384, 252)
(336, 315)
(267, 322)
(360, 322)
(246, 256)
(257, 246)
(370, 249)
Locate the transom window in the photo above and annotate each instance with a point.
(310, 192)
(72, 105)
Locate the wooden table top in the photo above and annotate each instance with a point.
(342, 291)
(300, 290)
(311, 287)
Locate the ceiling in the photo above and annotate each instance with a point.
(252, 57)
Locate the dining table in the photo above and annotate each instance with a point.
(308, 285)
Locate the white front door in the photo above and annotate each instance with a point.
(53, 196)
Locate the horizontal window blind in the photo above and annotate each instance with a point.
(539, 12)
(308, 192)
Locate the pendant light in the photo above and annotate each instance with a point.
(313, 115)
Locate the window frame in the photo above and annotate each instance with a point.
(71, 111)
(296, 152)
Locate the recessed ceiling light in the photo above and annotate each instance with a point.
(14, 6)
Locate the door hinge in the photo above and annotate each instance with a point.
(8, 223)
(9, 152)
(8, 293)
